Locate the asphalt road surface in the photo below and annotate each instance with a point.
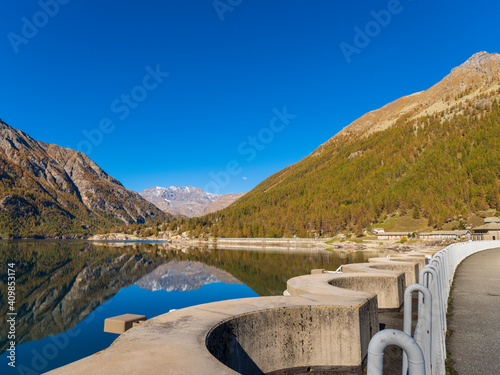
(474, 344)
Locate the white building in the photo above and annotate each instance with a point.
(445, 235)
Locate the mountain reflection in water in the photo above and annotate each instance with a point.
(63, 284)
(184, 276)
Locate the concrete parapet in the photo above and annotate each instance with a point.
(387, 285)
(299, 334)
(419, 258)
(409, 269)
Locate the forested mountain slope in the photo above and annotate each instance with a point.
(436, 153)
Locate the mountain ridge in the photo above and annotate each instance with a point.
(385, 116)
(50, 191)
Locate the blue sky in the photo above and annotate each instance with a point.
(220, 94)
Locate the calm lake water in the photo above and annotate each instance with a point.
(65, 290)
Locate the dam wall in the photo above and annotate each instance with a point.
(323, 325)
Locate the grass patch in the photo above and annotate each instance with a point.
(332, 241)
(405, 223)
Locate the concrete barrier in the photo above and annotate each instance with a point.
(417, 257)
(420, 258)
(309, 333)
(409, 269)
(387, 285)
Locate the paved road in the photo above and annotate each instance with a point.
(475, 342)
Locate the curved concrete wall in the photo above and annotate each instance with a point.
(249, 336)
(409, 269)
(419, 258)
(387, 285)
(297, 339)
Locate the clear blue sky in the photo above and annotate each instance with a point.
(81, 65)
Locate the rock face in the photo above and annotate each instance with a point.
(479, 73)
(223, 201)
(184, 276)
(187, 200)
(48, 190)
(481, 59)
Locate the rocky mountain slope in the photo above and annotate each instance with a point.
(223, 202)
(479, 74)
(50, 191)
(434, 155)
(187, 200)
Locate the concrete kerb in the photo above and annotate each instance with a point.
(249, 336)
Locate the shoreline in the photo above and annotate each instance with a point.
(278, 244)
(272, 244)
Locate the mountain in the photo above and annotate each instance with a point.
(184, 276)
(182, 200)
(50, 191)
(187, 200)
(433, 155)
(477, 75)
(222, 202)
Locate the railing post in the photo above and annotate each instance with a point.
(423, 330)
(440, 294)
(438, 345)
(381, 340)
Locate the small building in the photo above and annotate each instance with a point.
(391, 235)
(378, 230)
(492, 219)
(489, 231)
(445, 235)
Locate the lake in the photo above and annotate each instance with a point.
(65, 289)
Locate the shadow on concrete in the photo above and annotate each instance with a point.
(224, 345)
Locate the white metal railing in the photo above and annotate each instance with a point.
(387, 337)
(444, 263)
(435, 281)
(338, 270)
(424, 325)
